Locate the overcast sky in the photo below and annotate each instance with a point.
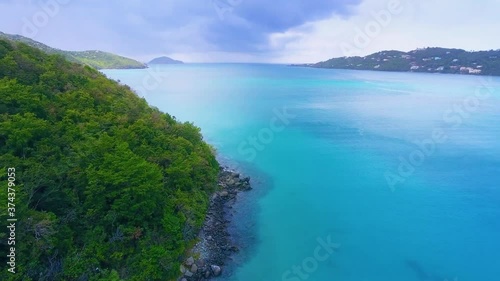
(278, 31)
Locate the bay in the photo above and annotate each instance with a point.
(397, 172)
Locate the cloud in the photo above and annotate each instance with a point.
(252, 30)
(423, 23)
(139, 28)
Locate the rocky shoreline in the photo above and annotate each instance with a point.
(215, 246)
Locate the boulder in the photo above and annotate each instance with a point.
(216, 270)
(201, 262)
(183, 269)
(194, 268)
(190, 261)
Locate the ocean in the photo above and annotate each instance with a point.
(356, 175)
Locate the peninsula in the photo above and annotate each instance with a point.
(428, 60)
(92, 58)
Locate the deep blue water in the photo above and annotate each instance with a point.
(398, 173)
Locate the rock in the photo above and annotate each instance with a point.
(194, 268)
(216, 270)
(215, 244)
(200, 263)
(190, 261)
(183, 279)
(183, 269)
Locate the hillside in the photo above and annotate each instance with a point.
(430, 60)
(105, 187)
(165, 60)
(95, 59)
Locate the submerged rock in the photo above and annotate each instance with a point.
(216, 270)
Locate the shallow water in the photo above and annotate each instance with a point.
(399, 171)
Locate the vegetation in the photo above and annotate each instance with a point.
(432, 60)
(103, 60)
(95, 59)
(107, 188)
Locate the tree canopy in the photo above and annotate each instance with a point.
(107, 187)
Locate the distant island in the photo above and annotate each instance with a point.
(95, 59)
(165, 60)
(428, 60)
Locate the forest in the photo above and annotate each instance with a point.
(106, 186)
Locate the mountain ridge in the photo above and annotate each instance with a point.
(94, 58)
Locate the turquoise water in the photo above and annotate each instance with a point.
(337, 156)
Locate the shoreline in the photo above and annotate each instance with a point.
(207, 258)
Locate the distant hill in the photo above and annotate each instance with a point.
(165, 60)
(95, 59)
(429, 60)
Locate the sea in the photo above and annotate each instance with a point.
(356, 175)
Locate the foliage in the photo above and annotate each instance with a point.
(108, 188)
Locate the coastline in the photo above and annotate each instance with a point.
(207, 258)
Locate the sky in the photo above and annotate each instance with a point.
(278, 31)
